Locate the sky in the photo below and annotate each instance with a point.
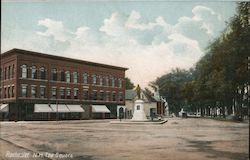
(148, 37)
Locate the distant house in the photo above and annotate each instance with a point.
(152, 103)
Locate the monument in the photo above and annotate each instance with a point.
(139, 114)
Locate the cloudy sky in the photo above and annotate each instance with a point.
(148, 37)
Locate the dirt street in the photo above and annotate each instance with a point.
(181, 139)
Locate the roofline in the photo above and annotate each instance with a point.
(27, 52)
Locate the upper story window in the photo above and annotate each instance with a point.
(33, 72)
(9, 68)
(120, 83)
(68, 93)
(75, 77)
(54, 74)
(113, 82)
(9, 92)
(24, 70)
(33, 91)
(107, 81)
(42, 73)
(13, 71)
(113, 96)
(12, 91)
(0, 73)
(94, 95)
(101, 81)
(53, 92)
(107, 96)
(85, 78)
(24, 90)
(5, 74)
(62, 76)
(5, 92)
(62, 93)
(42, 91)
(94, 79)
(102, 95)
(85, 94)
(75, 93)
(67, 74)
(121, 96)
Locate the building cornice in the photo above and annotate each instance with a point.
(26, 52)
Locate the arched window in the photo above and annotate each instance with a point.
(24, 71)
(33, 72)
(42, 73)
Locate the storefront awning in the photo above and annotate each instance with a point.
(4, 107)
(39, 108)
(75, 108)
(60, 108)
(100, 109)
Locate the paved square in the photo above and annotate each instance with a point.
(182, 139)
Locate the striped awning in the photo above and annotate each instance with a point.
(62, 108)
(75, 108)
(4, 107)
(100, 109)
(41, 108)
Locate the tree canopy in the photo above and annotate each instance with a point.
(129, 83)
(220, 79)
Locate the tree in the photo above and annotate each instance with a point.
(171, 86)
(129, 84)
(220, 78)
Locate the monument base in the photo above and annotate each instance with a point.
(139, 115)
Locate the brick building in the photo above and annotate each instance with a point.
(37, 86)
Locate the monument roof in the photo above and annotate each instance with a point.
(130, 94)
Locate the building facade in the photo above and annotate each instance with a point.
(37, 86)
